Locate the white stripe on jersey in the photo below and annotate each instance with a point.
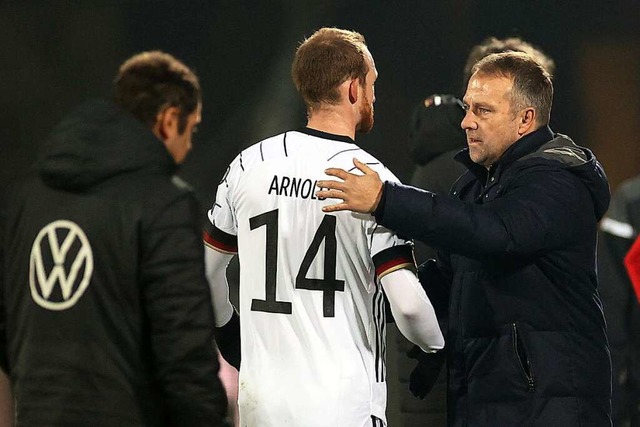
(312, 316)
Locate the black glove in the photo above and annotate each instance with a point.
(228, 340)
(425, 374)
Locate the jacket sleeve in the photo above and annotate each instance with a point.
(538, 212)
(177, 303)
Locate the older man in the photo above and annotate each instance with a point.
(516, 239)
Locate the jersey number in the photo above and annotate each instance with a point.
(328, 285)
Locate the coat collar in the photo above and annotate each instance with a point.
(525, 145)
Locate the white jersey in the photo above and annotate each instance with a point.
(311, 309)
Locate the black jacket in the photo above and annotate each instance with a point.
(526, 340)
(107, 313)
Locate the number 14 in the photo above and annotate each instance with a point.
(328, 285)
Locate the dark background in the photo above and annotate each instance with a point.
(56, 54)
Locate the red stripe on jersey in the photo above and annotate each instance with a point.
(394, 264)
(218, 245)
(394, 258)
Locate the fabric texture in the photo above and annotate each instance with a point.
(311, 308)
(107, 312)
(526, 339)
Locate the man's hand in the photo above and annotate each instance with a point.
(359, 193)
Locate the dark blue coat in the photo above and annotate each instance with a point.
(526, 339)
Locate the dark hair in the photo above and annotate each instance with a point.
(532, 86)
(149, 82)
(325, 60)
(512, 44)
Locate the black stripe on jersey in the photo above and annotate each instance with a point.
(219, 240)
(261, 153)
(241, 166)
(368, 164)
(343, 151)
(284, 144)
(380, 328)
(376, 422)
(394, 258)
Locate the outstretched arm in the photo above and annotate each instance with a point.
(359, 193)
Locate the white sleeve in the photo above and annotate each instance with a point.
(216, 268)
(412, 310)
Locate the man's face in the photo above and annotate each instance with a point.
(368, 97)
(490, 123)
(181, 144)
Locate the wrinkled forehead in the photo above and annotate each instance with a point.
(486, 85)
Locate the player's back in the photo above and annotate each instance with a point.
(312, 315)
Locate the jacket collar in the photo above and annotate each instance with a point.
(525, 145)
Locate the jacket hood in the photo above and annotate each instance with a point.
(435, 128)
(96, 142)
(581, 162)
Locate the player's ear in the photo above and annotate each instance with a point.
(354, 85)
(166, 125)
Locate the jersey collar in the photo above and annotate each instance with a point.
(326, 135)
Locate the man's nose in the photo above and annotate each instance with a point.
(467, 121)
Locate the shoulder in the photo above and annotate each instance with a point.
(560, 151)
(164, 196)
(272, 147)
(344, 159)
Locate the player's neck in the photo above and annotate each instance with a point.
(331, 121)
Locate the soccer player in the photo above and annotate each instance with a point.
(311, 285)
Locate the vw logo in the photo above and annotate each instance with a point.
(60, 265)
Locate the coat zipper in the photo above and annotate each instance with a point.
(526, 371)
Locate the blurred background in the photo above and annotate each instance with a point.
(56, 54)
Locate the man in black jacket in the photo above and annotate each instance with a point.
(106, 312)
(526, 341)
(434, 138)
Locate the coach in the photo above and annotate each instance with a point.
(526, 339)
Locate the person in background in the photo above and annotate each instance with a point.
(618, 231)
(516, 241)
(312, 315)
(434, 138)
(106, 312)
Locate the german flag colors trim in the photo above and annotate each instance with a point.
(219, 240)
(393, 259)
